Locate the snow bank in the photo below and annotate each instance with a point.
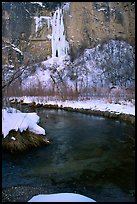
(97, 105)
(61, 197)
(125, 107)
(19, 121)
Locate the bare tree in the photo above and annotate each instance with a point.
(14, 63)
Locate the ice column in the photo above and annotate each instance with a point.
(39, 21)
(60, 46)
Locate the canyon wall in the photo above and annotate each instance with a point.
(90, 23)
(80, 25)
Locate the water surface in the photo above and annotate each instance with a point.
(90, 155)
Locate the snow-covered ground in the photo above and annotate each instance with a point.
(125, 107)
(92, 69)
(13, 119)
(61, 197)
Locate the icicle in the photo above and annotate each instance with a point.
(39, 23)
(60, 46)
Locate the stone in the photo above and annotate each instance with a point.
(86, 24)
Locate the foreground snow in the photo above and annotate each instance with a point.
(125, 107)
(61, 197)
(16, 120)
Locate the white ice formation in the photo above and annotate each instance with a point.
(60, 46)
(39, 21)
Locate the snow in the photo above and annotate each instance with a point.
(27, 11)
(66, 6)
(13, 138)
(17, 49)
(40, 77)
(39, 21)
(125, 107)
(13, 47)
(112, 9)
(40, 3)
(92, 68)
(102, 9)
(13, 119)
(61, 197)
(59, 43)
(16, 120)
(60, 46)
(49, 37)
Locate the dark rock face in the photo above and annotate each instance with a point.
(16, 19)
(86, 24)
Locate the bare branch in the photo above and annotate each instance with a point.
(16, 75)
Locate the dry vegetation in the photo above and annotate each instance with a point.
(113, 94)
(18, 142)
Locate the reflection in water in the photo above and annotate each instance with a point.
(92, 154)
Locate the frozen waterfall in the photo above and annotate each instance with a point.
(60, 46)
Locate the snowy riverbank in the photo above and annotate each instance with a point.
(23, 121)
(20, 131)
(125, 107)
(13, 119)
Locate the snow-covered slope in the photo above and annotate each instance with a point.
(106, 65)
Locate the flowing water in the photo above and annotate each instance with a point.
(90, 155)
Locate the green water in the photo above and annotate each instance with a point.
(89, 155)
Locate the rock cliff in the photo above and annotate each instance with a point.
(90, 23)
(84, 25)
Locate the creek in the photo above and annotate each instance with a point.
(90, 155)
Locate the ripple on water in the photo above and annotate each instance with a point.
(86, 156)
